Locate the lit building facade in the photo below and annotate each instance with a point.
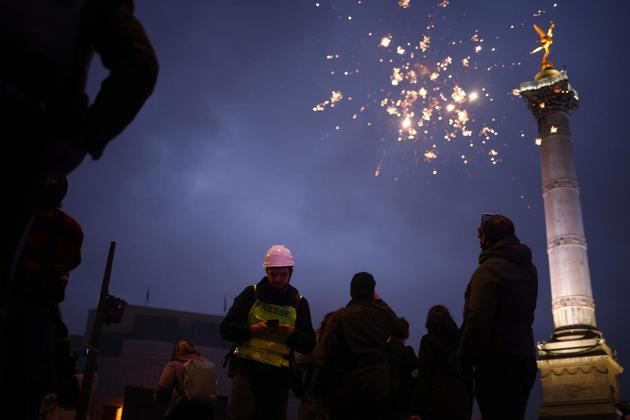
(133, 353)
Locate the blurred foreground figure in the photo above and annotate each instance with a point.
(35, 357)
(188, 385)
(497, 341)
(441, 393)
(268, 321)
(355, 366)
(48, 125)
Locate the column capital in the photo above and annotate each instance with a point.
(549, 94)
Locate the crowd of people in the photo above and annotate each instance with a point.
(358, 366)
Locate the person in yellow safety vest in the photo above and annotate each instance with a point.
(267, 321)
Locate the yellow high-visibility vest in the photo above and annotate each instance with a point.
(271, 349)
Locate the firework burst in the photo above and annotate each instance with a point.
(432, 92)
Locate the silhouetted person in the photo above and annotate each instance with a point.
(403, 370)
(355, 368)
(312, 406)
(48, 124)
(189, 397)
(497, 340)
(32, 321)
(441, 392)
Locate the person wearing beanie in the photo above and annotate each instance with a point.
(497, 341)
(355, 367)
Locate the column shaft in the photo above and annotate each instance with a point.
(572, 298)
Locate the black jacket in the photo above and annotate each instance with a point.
(235, 328)
(355, 352)
(499, 304)
(404, 370)
(441, 393)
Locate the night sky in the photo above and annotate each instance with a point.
(228, 157)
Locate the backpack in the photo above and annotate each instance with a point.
(199, 382)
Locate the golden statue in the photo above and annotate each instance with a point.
(546, 39)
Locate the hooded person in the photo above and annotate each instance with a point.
(355, 366)
(497, 341)
(267, 322)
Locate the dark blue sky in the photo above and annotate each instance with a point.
(228, 157)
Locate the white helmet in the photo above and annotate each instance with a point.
(278, 256)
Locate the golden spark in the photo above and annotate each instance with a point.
(424, 44)
(430, 155)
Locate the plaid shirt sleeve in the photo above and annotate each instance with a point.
(54, 243)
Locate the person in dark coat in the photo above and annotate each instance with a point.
(403, 370)
(170, 390)
(268, 321)
(497, 341)
(355, 367)
(441, 392)
(48, 123)
(312, 405)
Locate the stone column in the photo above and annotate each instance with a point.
(578, 370)
(572, 299)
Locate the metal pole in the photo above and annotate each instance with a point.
(95, 336)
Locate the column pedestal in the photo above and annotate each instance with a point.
(579, 376)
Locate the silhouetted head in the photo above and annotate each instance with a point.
(401, 332)
(185, 348)
(495, 228)
(441, 323)
(362, 286)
